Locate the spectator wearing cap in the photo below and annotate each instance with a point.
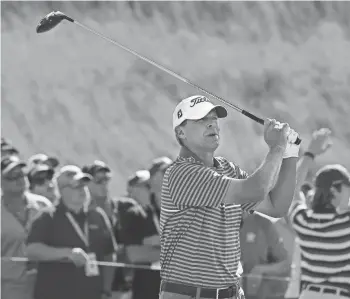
(40, 181)
(68, 240)
(100, 197)
(7, 149)
(263, 255)
(51, 161)
(323, 229)
(138, 187)
(18, 209)
(99, 188)
(139, 232)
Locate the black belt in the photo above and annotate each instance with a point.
(328, 290)
(188, 290)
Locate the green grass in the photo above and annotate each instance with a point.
(69, 93)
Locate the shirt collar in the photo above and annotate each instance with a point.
(187, 154)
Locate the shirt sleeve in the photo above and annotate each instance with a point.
(241, 174)
(194, 185)
(298, 211)
(40, 230)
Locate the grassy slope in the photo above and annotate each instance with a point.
(71, 94)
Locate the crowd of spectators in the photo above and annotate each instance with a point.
(63, 218)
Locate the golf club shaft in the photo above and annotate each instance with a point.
(176, 75)
(170, 72)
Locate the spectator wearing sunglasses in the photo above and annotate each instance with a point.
(68, 240)
(18, 209)
(99, 188)
(41, 183)
(100, 196)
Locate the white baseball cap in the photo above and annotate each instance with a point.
(195, 107)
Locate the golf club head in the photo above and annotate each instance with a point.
(51, 20)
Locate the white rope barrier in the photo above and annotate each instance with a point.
(153, 267)
(99, 263)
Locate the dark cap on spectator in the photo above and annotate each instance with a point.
(10, 162)
(40, 171)
(96, 167)
(141, 177)
(331, 175)
(6, 146)
(43, 159)
(69, 174)
(159, 164)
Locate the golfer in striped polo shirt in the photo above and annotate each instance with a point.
(323, 228)
(203, 198)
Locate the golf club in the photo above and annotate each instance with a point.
(54, 18)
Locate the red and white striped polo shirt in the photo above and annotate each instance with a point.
(199, 233)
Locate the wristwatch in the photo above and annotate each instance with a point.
(309, 154)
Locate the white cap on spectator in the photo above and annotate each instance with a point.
(43, 159)
(140, 177)
(9, 163)
(69, 174)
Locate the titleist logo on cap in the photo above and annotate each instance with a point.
(198, 100)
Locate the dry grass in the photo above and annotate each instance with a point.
(69, 93)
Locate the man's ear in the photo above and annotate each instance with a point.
(180, 132)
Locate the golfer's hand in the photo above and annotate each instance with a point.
(78, 256)
(276, 134)
(320, 141)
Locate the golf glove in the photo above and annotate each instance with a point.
(292, 149)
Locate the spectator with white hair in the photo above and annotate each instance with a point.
(68, 239)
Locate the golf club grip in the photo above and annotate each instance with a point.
(253, 117)
(261, 121)
(69, 19)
